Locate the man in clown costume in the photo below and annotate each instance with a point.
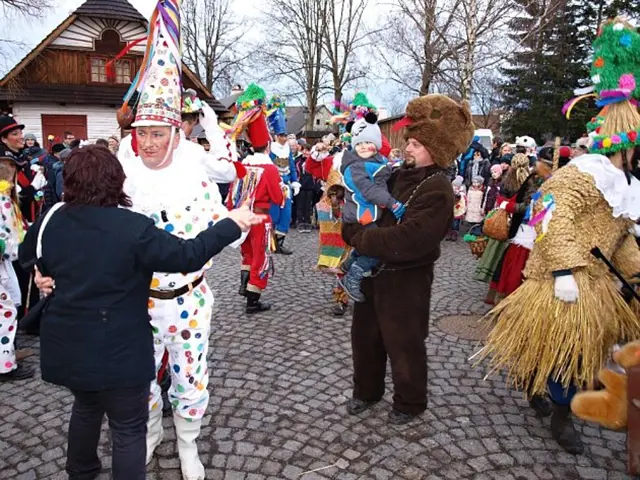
(262, 189)
(282, 156)
(166, 184)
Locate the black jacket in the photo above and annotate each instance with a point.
(25, 177)
(95, 334)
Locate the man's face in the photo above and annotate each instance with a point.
(281, 139)
(366, 149)
(14, 140)
(416, 154)
(153, 145)
(69, 138)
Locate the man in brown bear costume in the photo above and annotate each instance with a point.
(394, 319)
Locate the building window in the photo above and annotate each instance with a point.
(99, 70)
(121, 71)
(317, 121)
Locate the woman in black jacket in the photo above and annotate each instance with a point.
(95, 335)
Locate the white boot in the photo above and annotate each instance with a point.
(155, 432)
(187, 432)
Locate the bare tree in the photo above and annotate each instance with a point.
(413, 51)
(28, 8)
(344, 33)
(293, 55)
(211, 35)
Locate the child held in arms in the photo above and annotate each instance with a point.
(365, 173)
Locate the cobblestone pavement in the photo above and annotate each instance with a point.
(279, 386)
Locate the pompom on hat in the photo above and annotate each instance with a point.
(441, 125)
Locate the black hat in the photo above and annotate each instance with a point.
(57, 148)
(8, 124)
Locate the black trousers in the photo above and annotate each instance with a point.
(127, 411)
(304, 204)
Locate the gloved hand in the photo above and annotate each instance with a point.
(566, 288)
(503, 205)
(39, 181)
(208, 118)
(398, 210)
(635, 230)
(295, 186)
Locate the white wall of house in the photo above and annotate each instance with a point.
(101, 120)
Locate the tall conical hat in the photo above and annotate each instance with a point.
(159, 81)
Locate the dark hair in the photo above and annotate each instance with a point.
(74, 143)
(66, 134)
(94, 176)
(190, 117)
(546, 153)
(102, 142)
(521, 149)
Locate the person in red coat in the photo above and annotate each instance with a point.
(260, 188)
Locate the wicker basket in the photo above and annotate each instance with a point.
(478, 246)
(496, 225)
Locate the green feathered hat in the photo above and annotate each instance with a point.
(615, 73)
(252, 97)
(361, 105)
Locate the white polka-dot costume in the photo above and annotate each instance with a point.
(181, 200)
(11, 233)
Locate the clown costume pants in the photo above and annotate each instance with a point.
(182, 326)
(8, 327)
(281, 217)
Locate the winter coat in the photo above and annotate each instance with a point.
(25, 177)
(306, 180)
(366, 188)
(475, 213)
(490, 197)
(484, 170)
(95, 334)
(519, 204)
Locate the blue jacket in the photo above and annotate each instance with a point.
(95, 334)
(366, 187)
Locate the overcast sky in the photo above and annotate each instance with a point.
(32, 31)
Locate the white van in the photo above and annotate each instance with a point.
(486, 137)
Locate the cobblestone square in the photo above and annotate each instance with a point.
(280, 382)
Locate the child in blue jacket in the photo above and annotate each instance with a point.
(366, 174)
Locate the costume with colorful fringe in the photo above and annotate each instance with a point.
(542, 341)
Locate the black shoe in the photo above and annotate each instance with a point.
(398, 418)
(244, 281)
(254, 305)
(357, 406)
(339, 309)
(540, 405)
(564, 432)
(167, 411)
(21, 373)
(280, 249)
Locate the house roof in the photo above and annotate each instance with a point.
(229, 101)
(116, 9)
(296, 119)
(91, 8)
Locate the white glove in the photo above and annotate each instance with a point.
(566, 288)
(503, 205)
(38, 181)
(635, 230)
(208, 118)
(296, 188)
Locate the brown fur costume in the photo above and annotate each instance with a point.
(441, 125)
(394, 319)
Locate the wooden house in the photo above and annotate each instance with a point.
(63, 83)
(395, 137)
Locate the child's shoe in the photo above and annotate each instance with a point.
(351, 283)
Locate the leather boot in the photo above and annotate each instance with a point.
(254, 305)
(540, 405)
(280, 246)
(155, 432)
(563, 430)
(187, 433)
(244, 281)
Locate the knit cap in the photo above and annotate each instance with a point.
(366, 129)
(495, 169)
(458, 181)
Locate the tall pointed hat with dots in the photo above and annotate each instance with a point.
(159, 81)
(615, 73)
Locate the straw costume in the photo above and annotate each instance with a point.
(261, 189)
(554, 333)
